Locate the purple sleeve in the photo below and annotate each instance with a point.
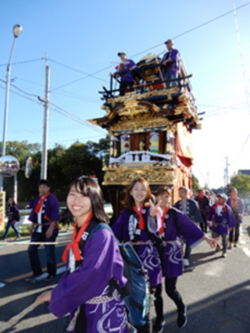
(231, 223)
(210, 215)
(188, 229)
(54, 209)
(102, 261)
(32, 203)
(118, 225)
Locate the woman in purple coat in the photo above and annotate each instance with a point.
(12, 214)
(91, 263)
(174, 225)
(131, 226)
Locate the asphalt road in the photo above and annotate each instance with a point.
(215, 290)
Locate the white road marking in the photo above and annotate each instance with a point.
(216, 268)
(247, 251)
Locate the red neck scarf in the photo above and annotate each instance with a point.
(141, 219)
(234, 201)
(76, 239)
(162, 220)
(224, 207)
(39, 205)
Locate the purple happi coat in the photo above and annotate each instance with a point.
(126, 229)
(50, 209)
(237, 210)
(83, 289)
(173, 260)
(172, 67)
(221, 219)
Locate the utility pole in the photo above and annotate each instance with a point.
(45, 121)
(226, 173)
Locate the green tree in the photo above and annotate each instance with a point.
(195, 184)
(242, 183)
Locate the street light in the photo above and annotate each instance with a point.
(17, 30)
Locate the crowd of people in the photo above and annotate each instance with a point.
(157, 232)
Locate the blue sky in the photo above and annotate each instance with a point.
(87, 35)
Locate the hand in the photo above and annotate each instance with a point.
(44, 297)
(49, 232)
(31, 229)
(213, 242)
(27, 206)
(154, 210)
(230, 229)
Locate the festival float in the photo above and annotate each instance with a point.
(150, 130)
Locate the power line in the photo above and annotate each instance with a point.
(76, 70)
(85, 138)
(241, 56)
(177, 36)
(22, 62)
(242, 149)
(62, 111)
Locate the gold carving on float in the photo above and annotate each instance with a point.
(154, 175)
(151, 93)
(149, 119)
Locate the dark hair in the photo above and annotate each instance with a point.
(44, 182)
(14, 202)
(183, 188)
(233, 189)
(129, 200)
(162, 190)
(90, 188)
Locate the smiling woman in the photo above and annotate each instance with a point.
(91, 263)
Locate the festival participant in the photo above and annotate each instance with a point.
(133, 225)
(174, 225)
(12, 214)
(170, 64)
(127, 79)
(44, 229)
(190, 208)
(222, 219)
(203, 203)
(238, 207)
(91, 263)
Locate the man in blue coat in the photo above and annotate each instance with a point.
(190, 208)
(170, 64)
(44, 228)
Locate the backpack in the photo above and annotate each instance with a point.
(135, 293)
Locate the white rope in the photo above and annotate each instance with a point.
(16, 318)
(31, 243)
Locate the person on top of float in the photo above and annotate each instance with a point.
(169, 64)
(222, 219)
(174, 225)
(126, 66)
(133, 225)
(238, 208)
(190, 208)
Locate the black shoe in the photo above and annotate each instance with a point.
(182, 318)
(33, 278)
(49, 278)
(158, 326)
